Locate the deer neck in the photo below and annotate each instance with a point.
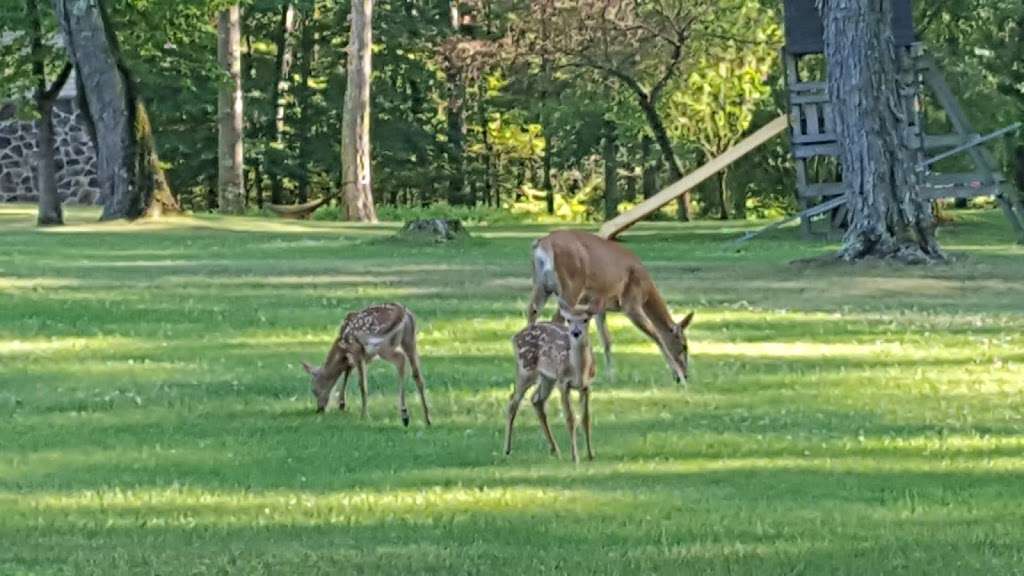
(657, 312)
(336, 361)
(578, 359)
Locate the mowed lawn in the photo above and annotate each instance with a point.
(154, 417)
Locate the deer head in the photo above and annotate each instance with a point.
(581, 355)
(677, 350)
(324, 377)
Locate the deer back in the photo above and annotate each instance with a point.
(373, 327)
(544, 348)
(589, 266)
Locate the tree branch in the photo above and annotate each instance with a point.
(58, 83)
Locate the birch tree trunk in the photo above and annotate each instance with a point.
(888, 217)
(303, 95)
(456, 112)
(282, 70)
(231, 156)
(355, 125)
(132, 183)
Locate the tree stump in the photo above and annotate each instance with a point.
(436, 230)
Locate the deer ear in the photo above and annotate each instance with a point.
(308, 368)
(685, 322)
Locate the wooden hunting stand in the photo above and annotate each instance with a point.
(814, 142)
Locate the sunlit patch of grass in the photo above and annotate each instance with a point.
(154, 417)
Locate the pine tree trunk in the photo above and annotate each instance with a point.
(888, 218)
(282, 70)
(355, 139)
(131, 181)
(231, 161)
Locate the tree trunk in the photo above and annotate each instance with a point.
(888, 218)
(51, 213)
(303, 94)
(355, 138)
(131, 181)
(489, 184)
(649, 185)
(456, 113)
(723, 195)
(282, 71)
(675, 169)
(231, 156)
(611, 172)
(549, 196)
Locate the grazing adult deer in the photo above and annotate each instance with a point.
(584, 269)
(558, 356)
(387, 331)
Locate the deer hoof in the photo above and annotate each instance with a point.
(405, 419)
(341, 407)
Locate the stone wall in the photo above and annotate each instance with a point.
(76, 157)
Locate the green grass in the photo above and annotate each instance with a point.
(154, 418)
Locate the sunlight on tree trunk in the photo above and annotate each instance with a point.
(888, 218)
(355, 138)
(231, 173)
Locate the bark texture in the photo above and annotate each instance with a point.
(132, 183)
(355, 139)
(231, 154)
(51, 213)
(888, 218)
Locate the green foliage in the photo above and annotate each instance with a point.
(519, 92)
(18, 82)
(714, 105)
(155, 418)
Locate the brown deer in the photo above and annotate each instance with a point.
(585, 270)
(558, 356)
(387, 331)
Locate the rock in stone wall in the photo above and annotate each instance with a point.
(76, 158)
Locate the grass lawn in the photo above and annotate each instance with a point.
(154, 418)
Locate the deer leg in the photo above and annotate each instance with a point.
(344, 387)
(585, 401)
(540, 398)
(537, 301)
(398, 358)
(606, 340)
(524, 381)
(361, 367)
(570, 418)
(409, 346)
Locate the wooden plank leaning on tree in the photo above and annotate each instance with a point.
(616, 225)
